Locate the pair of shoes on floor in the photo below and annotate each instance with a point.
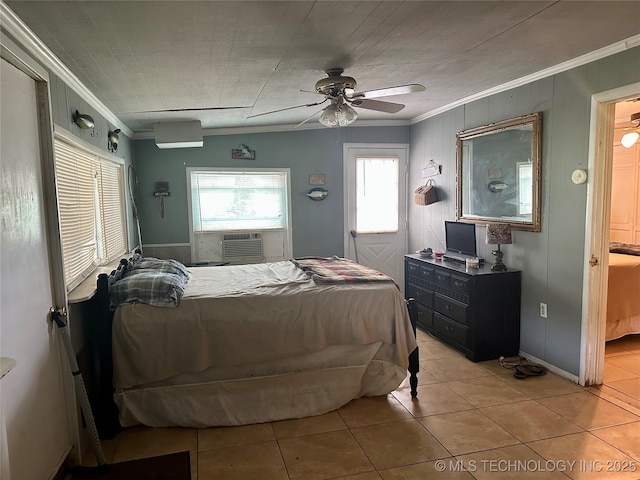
(511, 362)
(529, 370)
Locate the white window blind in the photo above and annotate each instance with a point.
(111, 209)
(90, 199)
(238, 200)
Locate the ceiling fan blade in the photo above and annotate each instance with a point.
(377, 105)
(387, 92)
(307, 119)
(288, 108)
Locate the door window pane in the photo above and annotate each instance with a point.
(377, 194)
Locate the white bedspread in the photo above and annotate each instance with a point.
(267, 323)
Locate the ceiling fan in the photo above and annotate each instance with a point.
(340, 92)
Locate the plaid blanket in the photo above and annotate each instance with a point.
(339, 270)
(148, 280)
(159, 289)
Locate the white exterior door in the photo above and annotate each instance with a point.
(33, 393)
(376, 206)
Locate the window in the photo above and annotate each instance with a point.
(90, 202)
(376, 195)
(233, 200)
(525, 188)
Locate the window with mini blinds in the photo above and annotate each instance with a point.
(91, 209)
(238, 200)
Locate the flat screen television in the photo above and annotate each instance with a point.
(460, 239)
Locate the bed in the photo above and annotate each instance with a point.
(623, 303)
(251, 343)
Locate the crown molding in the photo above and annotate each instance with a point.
(612, 49)
(13, 25)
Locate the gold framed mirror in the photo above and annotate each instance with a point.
(498, 173)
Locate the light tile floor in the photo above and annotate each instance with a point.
(470, 421)
(622, 369)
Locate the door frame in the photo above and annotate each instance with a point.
(17, 57)
(598, 215)
(347, 217)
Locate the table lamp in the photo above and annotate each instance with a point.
(498, 234)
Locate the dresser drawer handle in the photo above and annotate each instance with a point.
(448, 328)
(448, 307)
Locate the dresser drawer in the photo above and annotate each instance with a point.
(451, 330)
(426, 273)
(413, 268)
(460, 284)
(424, 318)
(451, 308)
(420, 294)
(442, 278)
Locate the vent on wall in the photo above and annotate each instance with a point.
(242, 247)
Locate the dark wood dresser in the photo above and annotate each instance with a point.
(476, 311)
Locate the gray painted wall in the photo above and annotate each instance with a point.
(552, 261)
(317, 226)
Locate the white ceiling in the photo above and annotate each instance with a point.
(247, 57)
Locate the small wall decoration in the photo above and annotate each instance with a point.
(243, 153)
(316, 179)
(112, 140)
(426, 194)
(431, 170)
(162, 189)
(317, 194)
(495, 173)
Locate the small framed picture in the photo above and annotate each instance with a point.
(495, 173)
(238, 153)
(316, 179)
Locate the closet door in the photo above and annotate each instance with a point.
(33, 396)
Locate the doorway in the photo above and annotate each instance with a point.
(622, 348)
(375, 177)
(599, 200)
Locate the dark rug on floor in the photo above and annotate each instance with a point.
(175, 466)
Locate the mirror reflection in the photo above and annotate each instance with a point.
(499, 173)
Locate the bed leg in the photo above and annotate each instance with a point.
(414, 357)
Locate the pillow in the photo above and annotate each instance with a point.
(149, 287)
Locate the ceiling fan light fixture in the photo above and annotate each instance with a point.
(629, 139)
(338, 114)
(346, 115)
(329, 118)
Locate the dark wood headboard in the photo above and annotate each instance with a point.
(104, 408)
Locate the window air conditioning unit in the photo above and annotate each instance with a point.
(239, 248)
